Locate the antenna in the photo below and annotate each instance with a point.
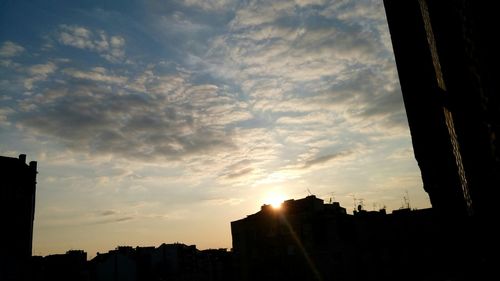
(354, 202)
(406, 200)
(332, 198)
(361, 203)
(309, 192)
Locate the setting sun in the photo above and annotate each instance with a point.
(275, 200)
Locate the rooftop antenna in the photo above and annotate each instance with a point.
(332, 198)
(309, 192)
(361, 203)
(406, 200)
(354, 202)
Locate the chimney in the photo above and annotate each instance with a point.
(33, 165)
(22, 157)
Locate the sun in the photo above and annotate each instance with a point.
(275, 200)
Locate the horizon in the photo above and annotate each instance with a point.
(162, 121)
(90, 256)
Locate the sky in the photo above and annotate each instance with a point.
(161, 121)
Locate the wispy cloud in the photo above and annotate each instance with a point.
(109, 47)
(98, 74)
(107, 213)
(210, 5)
(172, 119)
(39, 72)
(10, 49)
(145, 114)
(323, 159)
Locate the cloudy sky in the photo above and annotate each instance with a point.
(164, 120)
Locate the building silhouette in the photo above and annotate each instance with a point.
(174, 262)
(17, 211)
(307, 239)
(447, 59)
(60, 267)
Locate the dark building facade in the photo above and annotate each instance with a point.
(17, 211)
(60, 267)
(308, 240)
(447, 59)
(290, 243)
(176, 262)
(447, 56)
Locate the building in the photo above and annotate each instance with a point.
(60, 267)
(118, 264)
(307, 239)
(447, 59)
(215, 265)
(17, 211)
(299, 241)
(174, 262)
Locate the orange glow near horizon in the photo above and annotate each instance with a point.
(275, 200)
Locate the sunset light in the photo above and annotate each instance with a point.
(276, 200)
(163, 121)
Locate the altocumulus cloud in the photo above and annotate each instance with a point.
(172, 120)
(109, 47)
(228, 90)
(303, 65)
(174, 117)
(10, 49)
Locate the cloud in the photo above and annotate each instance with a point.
(210, 5)
(239, 173)
(42, 69)
(224, 201)
(333, 63)
(78, 37)
(4, 112)
(10, 49)
(268, 95)
(38, 72)
(282, 58)
(110, 48)
(173, 119)
(123, 219)
(256, 13)
(309, 2)
(109, 220)
(107, 213)
(98, 74)
(324, 159)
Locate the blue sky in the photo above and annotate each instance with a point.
(162, 121)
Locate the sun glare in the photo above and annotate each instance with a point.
(275, 201)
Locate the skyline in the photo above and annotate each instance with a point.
(163, 121)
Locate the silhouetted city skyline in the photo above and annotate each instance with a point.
(166, 121)
(177, 116)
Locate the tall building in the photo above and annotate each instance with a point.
(306, 239)
(447, 59)
(447, 56)
(17, 211)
